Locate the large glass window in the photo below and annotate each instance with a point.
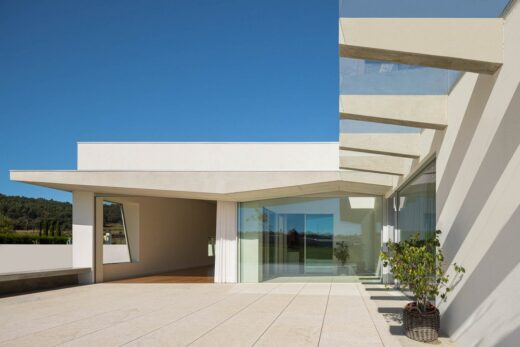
(286, 238)
(416, 205)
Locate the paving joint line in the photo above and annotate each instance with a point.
(123, 321)
(178, 319)
(279, 314)
(325, 313)
(370, 315)
(236, 313)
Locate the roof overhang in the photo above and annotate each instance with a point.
(210, 185)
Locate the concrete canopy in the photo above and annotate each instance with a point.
(464, 44)
(231, 186)
(421, 111)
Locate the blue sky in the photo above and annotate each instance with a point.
(178, 70)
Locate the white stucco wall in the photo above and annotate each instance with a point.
(18, 258)
(173, 234)
(478, 201)
(217, 156)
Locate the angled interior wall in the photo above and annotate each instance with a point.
(173, 234)
(478, 201)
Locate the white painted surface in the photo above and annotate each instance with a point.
(210, 185)
(16, 258)
(173, 234)
(83, 226)
(466, 44)
(478, 201)
(396, 109)
(216, 156)
(113, 254)
(401, 144)
(226, 243)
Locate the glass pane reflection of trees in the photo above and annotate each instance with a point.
(293, 237)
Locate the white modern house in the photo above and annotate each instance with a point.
(283, 211)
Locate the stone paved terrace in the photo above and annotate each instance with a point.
(267, 314)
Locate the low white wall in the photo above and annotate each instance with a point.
(173, 234)
(113, 254)
(17, 258)
(215, 156)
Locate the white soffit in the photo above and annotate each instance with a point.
(362, 202)
(237, 186)
(464, 44)
(399, 145)
(421, 111)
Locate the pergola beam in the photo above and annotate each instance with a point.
(381, 164)
(395, 144)
(464, 44)
(421, 111)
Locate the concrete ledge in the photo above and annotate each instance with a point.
(16, 276)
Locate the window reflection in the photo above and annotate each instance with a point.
(293, 237)
(416, 205)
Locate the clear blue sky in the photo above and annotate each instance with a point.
(177, 70)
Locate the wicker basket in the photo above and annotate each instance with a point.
(422, 327)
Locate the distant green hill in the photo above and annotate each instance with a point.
(21, 213)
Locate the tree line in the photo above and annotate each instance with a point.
(47, 216)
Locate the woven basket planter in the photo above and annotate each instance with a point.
(419, 326)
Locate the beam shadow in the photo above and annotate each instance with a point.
(389, 298)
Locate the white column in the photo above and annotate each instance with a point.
(83, 227)
(226, 254)
(98, 250)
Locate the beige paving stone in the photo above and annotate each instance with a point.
(245, 328)
(305, 313)
(183, 332)
(300, 323)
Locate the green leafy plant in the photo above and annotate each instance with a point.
(418, 265)
(341, 252)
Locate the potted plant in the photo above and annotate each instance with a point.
(418, 266)
(341, 253)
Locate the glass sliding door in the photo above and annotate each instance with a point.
(288, 238)
(416, 205)
(319, 243)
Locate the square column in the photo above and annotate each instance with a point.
(226, 250)
(83, 233)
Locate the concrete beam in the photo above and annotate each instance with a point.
(399, 145)
(421, 111)
(374, 163)
(216, 185)
(464, 44)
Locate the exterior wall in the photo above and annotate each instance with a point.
(208, 156)
(478, 201)
(18, 258)
(83, 234)
(173, 234)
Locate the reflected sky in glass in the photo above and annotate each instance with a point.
(365, 77)
(355, 126)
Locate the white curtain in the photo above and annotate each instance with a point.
(226, 244)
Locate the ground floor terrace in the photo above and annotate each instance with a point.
(246, 314)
